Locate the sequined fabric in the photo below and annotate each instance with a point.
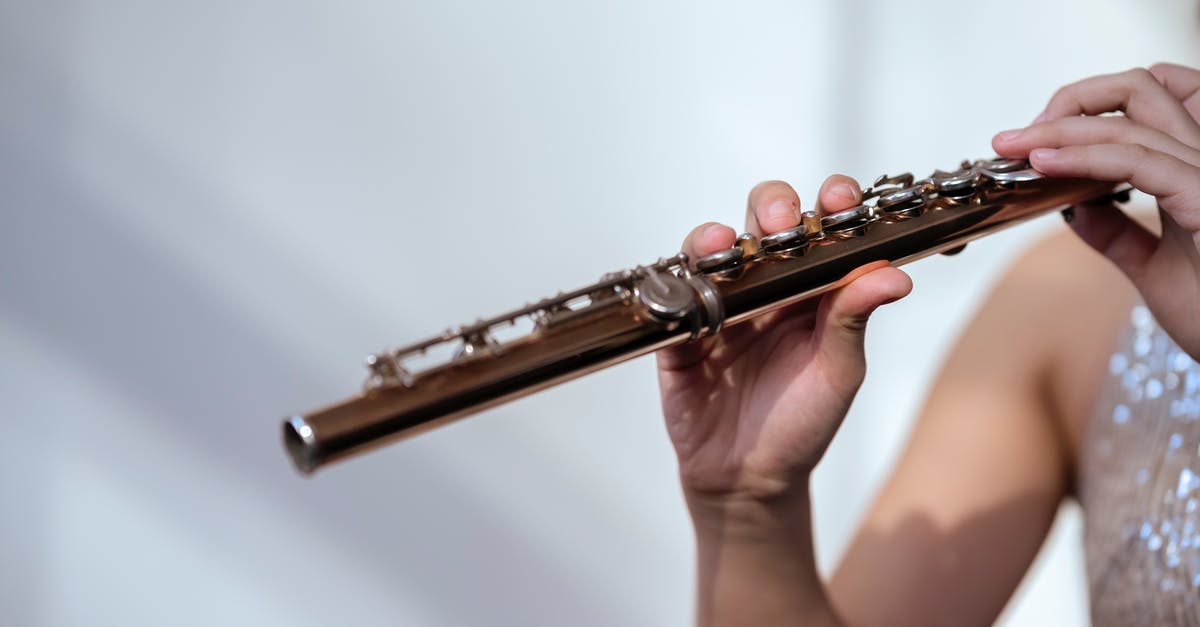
(1139, 483)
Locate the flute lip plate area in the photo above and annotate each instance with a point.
(301, 443)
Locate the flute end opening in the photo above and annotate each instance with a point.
(301, 444)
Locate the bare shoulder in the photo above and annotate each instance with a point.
(1058, 290)
(1005, 411)
(1070, 304)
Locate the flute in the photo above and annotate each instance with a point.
(633, 312)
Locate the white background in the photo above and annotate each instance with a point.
(211, 211)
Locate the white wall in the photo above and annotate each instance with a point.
(210, 211)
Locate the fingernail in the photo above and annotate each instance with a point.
(1068, 214)
(1041, 117)
(712, 228)
(845, 190)
(1008, 136)
(1044, 154)
(782, 210)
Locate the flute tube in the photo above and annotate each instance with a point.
(636, 312)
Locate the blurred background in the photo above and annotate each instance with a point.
(211, 211)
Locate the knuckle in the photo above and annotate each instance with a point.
(1140, 78)
(1115, 127)
(1118, 121)
(1109, 129)
(1139, 152)
(1158, 69)
(1146, 154)
(1139, 74)
(1062, 130)
(1136, 157)
(1064, 94)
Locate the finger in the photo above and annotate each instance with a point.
(1115, 235)
(1181, 82)
(707, 239)
(1090, 130)
(838, 193)
(1175, 183)
(1136, 92)
(843, 314)
(772, 206)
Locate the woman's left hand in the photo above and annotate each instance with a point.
(1155, 147)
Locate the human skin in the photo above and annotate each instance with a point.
(1155, 147)
(751, 411)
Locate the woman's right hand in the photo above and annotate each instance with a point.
(751, 411)
(1155, 147)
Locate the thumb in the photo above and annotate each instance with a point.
(842, 316)
(1106, 228)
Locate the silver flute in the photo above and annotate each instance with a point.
(674, 300)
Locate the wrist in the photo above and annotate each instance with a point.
(755, 559)
(751, 515)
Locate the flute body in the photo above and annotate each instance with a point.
(674, 300)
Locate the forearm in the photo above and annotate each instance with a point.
(756, 564)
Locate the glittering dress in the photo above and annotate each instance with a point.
(1139, 483)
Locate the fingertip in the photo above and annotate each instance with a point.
(899, 284)
(872, 289)
(1007, 144)
(694, 244)
(779, 214)
(844, 313)
(1046, 160)
(1007, 137)
(772, 206)
(903, 286)
(1002, 147)
(888, 285)
(838, 192)
(715, 237)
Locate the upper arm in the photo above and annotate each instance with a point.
(990, 458)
